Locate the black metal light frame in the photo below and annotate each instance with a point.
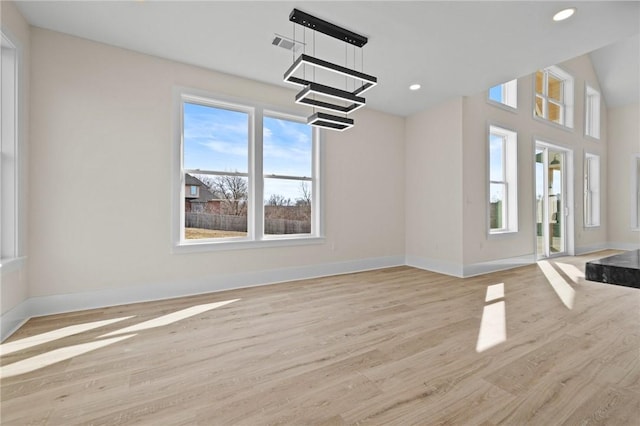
(317, 24)
(303, 59)
(332, 93)
(329, 121)
(351, 100)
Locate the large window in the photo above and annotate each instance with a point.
(287, 166)
(215, 161)
(592, 112)
(248, 174)
(503, 180)
(591, 190)
(505, 94)
(9, 153)
(554, 96)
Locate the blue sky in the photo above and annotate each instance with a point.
(495, 93)
(496, 171)
(217, 140)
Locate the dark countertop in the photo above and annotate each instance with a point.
(621, 269)
(630, 259)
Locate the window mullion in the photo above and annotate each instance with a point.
(505, 207)
(316, 217)
(215, 172)
(257, 178)
(504, 158)
(545, 95)
(286, 177)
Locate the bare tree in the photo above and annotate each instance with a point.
(305, 195)
(304, 201)
(233, 190)
(278, 201)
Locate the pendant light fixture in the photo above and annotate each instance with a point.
(334, 99)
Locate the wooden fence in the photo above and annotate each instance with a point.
(239, 224)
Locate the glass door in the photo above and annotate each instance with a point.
(551, 211)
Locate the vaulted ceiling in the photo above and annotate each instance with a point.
(450, 48)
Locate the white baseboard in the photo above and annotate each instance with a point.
(473, 269)
(607, 246)
(13, 319)
(592, 248)
(61, 303)
(624, 246)
(436, 265)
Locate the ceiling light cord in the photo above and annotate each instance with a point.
(361, 64)
(346, 64)
(314, 68)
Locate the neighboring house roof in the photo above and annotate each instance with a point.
(205, 194)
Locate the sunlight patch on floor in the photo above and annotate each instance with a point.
(493, 326)
(170, 318)
(565, 292)
(572, 272)
(27, 342)
(494, 292)
(57, 355)
(48, 358)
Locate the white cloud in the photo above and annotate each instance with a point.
(227, 148)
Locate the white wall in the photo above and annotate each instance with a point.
(100, 200)
(13, 277)
(446, 179)
(433, 208)
(478, 114)
(624, 143)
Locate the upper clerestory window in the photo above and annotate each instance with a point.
(592, 112)
(505, 94)
(554, 96)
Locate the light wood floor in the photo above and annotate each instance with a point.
(393, 346)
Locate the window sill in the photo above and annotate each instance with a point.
(12, 264)
(498, 234)
(553, 124)
(208, 245)
(502, 106)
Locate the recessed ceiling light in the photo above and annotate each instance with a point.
(564, 14)
(414, 87)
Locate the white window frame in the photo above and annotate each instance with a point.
(9, 154)
(509, 95)
(510, 173)
(591, 190)
(255, 204)
(592, 112)
(315, 132)
(567, 95)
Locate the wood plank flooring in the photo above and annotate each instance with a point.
(394, 346)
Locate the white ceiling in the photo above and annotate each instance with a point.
(451, 48)
(618, 70)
